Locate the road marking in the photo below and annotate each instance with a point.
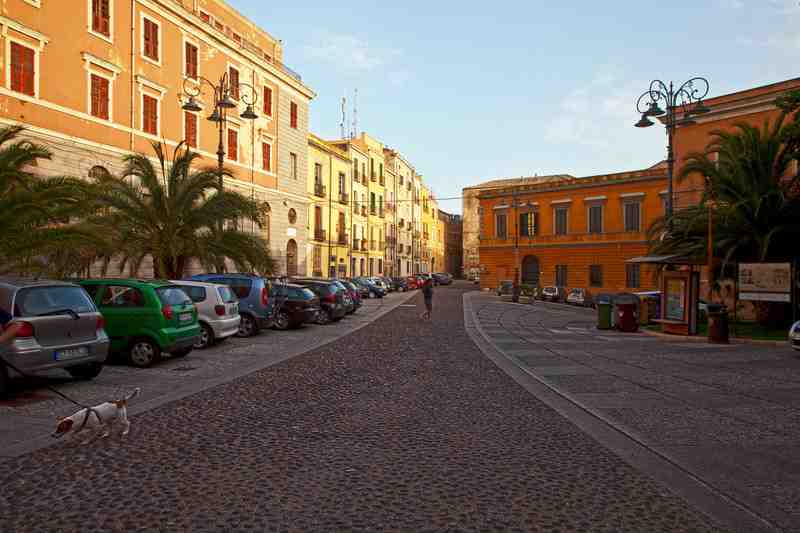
(407, 305)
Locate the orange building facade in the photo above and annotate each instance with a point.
(572, 232)
(96, 80)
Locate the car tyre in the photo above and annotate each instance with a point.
(324, 317)
(247, 327)
(282, 321)
(143, 353)
(183, 352)
(87, 371)
(206, 337)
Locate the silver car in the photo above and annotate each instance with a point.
(60, 327)
(217, 310)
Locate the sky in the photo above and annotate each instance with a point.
(472, 91)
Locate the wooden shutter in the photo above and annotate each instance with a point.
(293, 115)
(23, 75)
(191, 129)
(151, 39)
(268, 101)
(150, 115)
(191, 60)
(100, 97)
(266, 156)
(101, 17)
(233, 145)
(233, 82)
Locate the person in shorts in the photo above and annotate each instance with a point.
(427, 294)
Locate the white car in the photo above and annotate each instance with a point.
(794, 336)
(217, 310)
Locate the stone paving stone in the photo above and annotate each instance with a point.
(401, 426)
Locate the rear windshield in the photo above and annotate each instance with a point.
(227, 295)
(302, 294)
(37, 301)
(172, 296)
(197, 294)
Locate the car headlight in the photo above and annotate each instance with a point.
(794, 332)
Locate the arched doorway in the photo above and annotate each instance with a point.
(291, 258)
(530, 270)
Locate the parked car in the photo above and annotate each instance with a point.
(298, 305)
(400, 284)
(145, 319)
(580, 297)
(375, 290)
(331, 299)
(380, 282)
(505, 288)
(256, 310)
(60, 327)
(553, 294)
(412, 283)
(794, 336)
(353, 291)
(217, 311)
(363, 290)
(442, 278)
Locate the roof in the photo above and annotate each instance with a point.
(511, 182)
(666, 260)
(32, 282)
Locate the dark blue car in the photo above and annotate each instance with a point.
(256, 308)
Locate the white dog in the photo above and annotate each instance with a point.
(92, 419)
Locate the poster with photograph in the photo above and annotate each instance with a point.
(676, 300)
(765, 282)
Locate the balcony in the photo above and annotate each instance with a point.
(343, 239)
(382, 181)
(373, 210)
(380, 212)
(320, 235)
(390, 207)
(364, 245)
(319, 190)
(363, 210)
(344, 198)
(426, 236)
(416, 234)
(356, 244)
(373, 245)
(373, 178)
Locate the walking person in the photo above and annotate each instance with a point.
(427, 293)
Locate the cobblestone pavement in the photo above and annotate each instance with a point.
(402, 425)
(730, 414)
(27, 418)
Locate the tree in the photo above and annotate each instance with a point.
(35, 211)
(173, 214)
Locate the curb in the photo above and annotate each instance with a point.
(704, 340)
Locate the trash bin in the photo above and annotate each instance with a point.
(718, 332)
(626, 312)
(604, 316)
(644, 311)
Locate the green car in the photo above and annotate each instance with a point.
(145, 318)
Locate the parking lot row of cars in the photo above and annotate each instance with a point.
(76, 325)
(576, 296)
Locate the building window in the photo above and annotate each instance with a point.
(596, 219)
(561, 220)
(205, 17)
(190, 129)
(149, 115)
(101, 17)
(233, 145)
(561, 275)
(100, 96)
(191, 61)
(219, 26)
(596, 275)
(233, 82)
(292, 216)
(632, 216)
(99, 172)
(500, 226)
(266, 156)
(481, 224)
(23, 73)
(267, 101)
(632, 276)
(293, 158)
(529, 224)
(293, 115)
(151, 39)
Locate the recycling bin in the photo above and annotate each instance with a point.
(604, 312)
(718, 326)
(626, 312)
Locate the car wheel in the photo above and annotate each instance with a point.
(282, 321)
(183, 352)
(324, 317)
(144, 353)
(247, 327)
(87, 371)
(206, 337)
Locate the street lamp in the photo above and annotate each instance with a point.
(222, 104)
(686, 101)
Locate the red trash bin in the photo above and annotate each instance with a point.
(627, 318)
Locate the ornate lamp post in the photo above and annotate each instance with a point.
(682, 104)
(221, 105)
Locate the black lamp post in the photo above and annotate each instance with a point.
(682, 104)
(222, 103)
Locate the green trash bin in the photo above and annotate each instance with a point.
(604, 313)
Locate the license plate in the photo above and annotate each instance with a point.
(234, 309)
(72, 353)
(185, 317)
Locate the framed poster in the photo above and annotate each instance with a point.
(676, 300)
(765, 282)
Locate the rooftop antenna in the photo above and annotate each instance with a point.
(355, 115)
(343, 124)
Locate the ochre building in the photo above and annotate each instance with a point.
(572, 232)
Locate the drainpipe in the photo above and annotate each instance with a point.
(133, 73)
(330, 211)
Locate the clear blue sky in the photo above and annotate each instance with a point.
(473, 91)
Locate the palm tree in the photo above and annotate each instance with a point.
(172, 214)
(34, 211)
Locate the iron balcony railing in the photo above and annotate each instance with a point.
(344, 198)
(319, 190)
(320, 235)
(343, 239)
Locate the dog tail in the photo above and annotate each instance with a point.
(133, 394)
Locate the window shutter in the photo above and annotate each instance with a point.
(148, 39)
(191, 60)
(96, 25)
(267, 156)
(293, 116)
(233, 82)
(191, 129)
(233, 145)
(105, 18)
(268, 101)
(100, 95)
(150, 115)
(154, 40)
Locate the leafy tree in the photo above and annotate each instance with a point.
(173, 214)
(35, 211)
